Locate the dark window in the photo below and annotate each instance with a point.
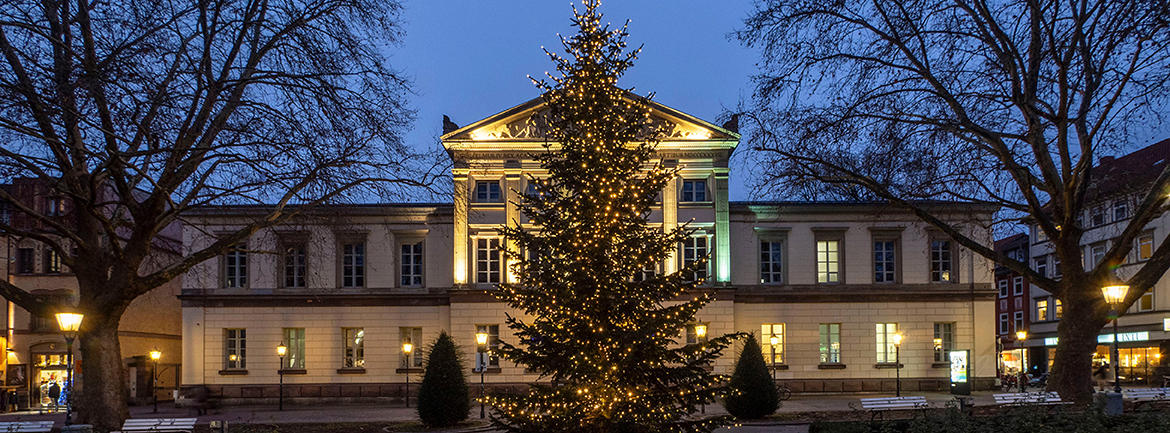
(488, 192)
(412, 264)
(24, 261)
(1097, 215)
(52, 263)
(940, 261)
(883, 262)
(694, 250)
(771, 262)
(236, 266)
(353, 265)
(294, 266)
(487, 260)
(1120, 210)
(694, 191)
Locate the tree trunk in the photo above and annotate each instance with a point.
(103, 399)
(1073, 380)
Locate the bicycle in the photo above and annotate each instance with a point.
(783, 392)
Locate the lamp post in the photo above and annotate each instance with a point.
(280, 351)
(774, 341)
(407, 348)
(897, 364)
(1022, 378)
(481, 339)
(700, 334)
(70, 323)
(155, 355)
(1114, 292)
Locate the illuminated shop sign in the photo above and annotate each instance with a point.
(1108, 338)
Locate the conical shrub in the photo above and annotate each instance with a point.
(443, 398)
(752, 392)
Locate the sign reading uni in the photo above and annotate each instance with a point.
(1108, 338)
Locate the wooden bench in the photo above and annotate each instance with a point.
(159, 425)
(1030, 398)
(880, 405)
(26, 426)
(1149, 396)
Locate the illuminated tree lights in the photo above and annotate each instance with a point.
(603, 333)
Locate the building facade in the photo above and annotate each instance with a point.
(344, 288)
(1118, 186)
(35, 346)
(1014, 304)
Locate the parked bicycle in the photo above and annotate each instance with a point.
(783, 392)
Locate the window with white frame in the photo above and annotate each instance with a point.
(1145, 247)
(412, 335)
(487, 260)
(1004, 286)
(294, 341)
(830, 343)
(1003, 323)
(488, 191)
(353, 354)
(1097, 215)
(1018, 286)
(884, 266)
(488, 356)
(941, 265)
(1056, 271)
(1146, 302)
(694, 191)
(295, 265)
(235, 349)
(694, 249)
(1041, 266)
(235, 266)
(353, 264)
(1018, 318)
(1041, 310)
(771, 262)
(1097, 254)
(1120, 209)
(944, 340)
(411, 269)
(886, 350)
(828, 261)
(770, 332)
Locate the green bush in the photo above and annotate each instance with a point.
(752, 392)
(443, 399)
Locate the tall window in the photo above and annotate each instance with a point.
(294, 340)
(694, 191)
(944, 341)
(487, 260)
(767, 331)
(1041, 310)
(1120, 209)
(1058, 308)
(295, 266)
(1056, 271)
(54, 206)
(1097, 215)
(1042, 266)
(353, 353)
(412, 264)
(1003, 288)
(693, 334)
(488, 356)
(886, 351)
(412, 336)
(828, 261)
(883, 262)
(235, 267)
(353, 264)
(1098, 254)
(1146, 302)
(695, 249)
(1018, 318)
(1018, 286)
(940, 261)
(1145, 248)
(771, 262)
(52, 261)
(830, 343)
(235, 349)
(488, 191)
(1003, 323)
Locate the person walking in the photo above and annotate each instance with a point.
(1100, 375)
(54, 395)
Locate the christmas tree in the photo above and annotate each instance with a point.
(602, 332)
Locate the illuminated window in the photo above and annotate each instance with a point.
(940, 261)
(694, 191)
(52, 261)
(1145, 248)
(235, 269)
(235, 349)
(294, 340)
(353, 353)
(885, 342)
(1058, 309)
(944, 341)
(828, 261)
(414, 337)
(353, 265)
(883, 262)
(771, 262)
(830, 343)
(1042, 309)
(487, 260)
(412, 264)
(1146, 302)
(488, 356)
(766, 332)
(488, 192)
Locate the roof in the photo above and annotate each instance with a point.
(1130, 172)
(1010, 242)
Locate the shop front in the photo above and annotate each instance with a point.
(50, 376)
(1140, 357)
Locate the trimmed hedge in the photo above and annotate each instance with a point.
(751, 394)
(443, 398)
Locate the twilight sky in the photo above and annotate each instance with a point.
(470, 59)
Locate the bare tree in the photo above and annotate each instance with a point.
(135, 112)
(1001, 102)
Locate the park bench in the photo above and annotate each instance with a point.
(159, 425)
(1151, 396)
(26, 426)
(1030, 398)
(880, 405)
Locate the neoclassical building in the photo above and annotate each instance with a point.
(345, 287)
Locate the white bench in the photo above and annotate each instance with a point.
(1147, 395)
(880, 405)
(1030, 398)
(26, 426)
(159, 425)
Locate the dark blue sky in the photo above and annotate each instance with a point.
(471, 59)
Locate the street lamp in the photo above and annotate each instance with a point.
(155, 355)
(481, 339)
(1022, 379)
(774, 341)
(70, 323)
(897, 338)
(281, 350)
(1114, 292)
(407, 348)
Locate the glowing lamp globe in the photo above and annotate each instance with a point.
(1021, 335)
(1115, 292)
(407, 347)
(155, 355)
(701, 330)
(774, 340)
(481, 338)
(281, 350)
(69, 323)
(897, 339)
